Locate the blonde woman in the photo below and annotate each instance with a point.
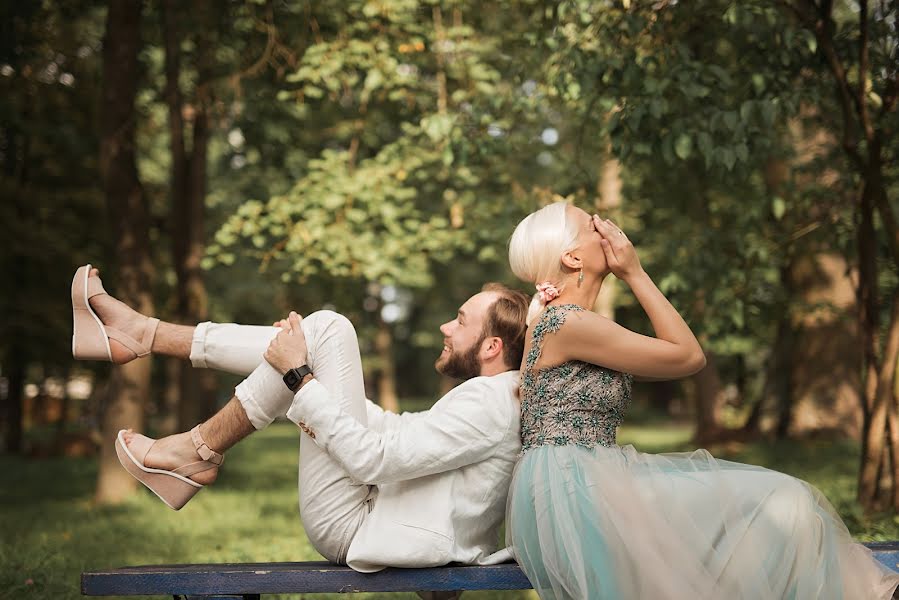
(590, 519)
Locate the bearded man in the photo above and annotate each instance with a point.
(376, 489)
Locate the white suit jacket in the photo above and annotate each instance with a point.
(442, 475)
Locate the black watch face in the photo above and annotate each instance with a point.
(291, 379)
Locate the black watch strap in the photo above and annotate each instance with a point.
(293, 379)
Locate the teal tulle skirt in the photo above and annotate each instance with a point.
(617, 524)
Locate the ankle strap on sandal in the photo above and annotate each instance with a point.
(203, 449)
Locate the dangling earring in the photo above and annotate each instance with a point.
(580, 277)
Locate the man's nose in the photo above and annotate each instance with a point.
(445, 328)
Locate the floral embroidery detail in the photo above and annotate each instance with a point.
(583, 398)
(572, 403)
(578, 422)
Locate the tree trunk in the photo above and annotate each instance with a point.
(874, 468)
(16, 165)
(709, 399)
(893, 427)
(782, 376)
(188, 205)
(826, 382)
(779, 376)
(198, 386)
(874, 416)
(65, 405)
(861, 122)
(14, 403)
(387, 396)
(129, 217)
(609, 188)
(167, 410)
(662, 395)
(781, 373)
(894, 439)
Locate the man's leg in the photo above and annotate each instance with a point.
(331, 504)
(224, 429)
(222, 346)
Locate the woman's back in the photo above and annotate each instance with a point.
(573, 402)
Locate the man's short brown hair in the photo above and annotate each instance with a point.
(506, 320)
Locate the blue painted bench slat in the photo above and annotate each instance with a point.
(293, 578)
(252, 579)
(886, 552)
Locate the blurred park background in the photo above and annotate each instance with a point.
(232, 160)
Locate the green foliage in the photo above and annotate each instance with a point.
(51, 210)
(699, 100)
(715, 89)
(400, 141)
(398, 183)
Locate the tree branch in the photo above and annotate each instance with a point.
(438, 54)
(890, 95)
(795, 10)
(271, 42)
(863, 42)
(889, 223)
(821, 23)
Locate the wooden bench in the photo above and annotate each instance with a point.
(251, 580)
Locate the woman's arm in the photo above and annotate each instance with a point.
(674, 352)
(595, 339)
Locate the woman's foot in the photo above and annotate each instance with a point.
(172, 452)
(118, 315)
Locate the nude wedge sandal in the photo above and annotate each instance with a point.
(90, 338)
(172, 487)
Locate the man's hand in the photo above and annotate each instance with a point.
(288, 350)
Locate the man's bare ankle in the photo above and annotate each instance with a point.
(173, 340)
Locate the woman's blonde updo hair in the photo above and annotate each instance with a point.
(537, 246)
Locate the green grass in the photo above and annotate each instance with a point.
(51, 531)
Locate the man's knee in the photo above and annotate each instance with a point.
(324, 321)
(328, 333)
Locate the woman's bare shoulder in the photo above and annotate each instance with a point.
(580, 322)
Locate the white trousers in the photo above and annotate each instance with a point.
(332, 506)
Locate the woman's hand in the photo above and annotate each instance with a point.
(620, 253)
(288, 350)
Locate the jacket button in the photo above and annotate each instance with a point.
(305, 428)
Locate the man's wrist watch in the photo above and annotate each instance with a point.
(293, 379)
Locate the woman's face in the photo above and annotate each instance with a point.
(589, 249)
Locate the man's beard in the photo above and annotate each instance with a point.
(462, 365)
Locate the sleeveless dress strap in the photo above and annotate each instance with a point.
(550, 321)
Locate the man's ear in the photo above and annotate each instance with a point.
(492, 347)
(571, 261)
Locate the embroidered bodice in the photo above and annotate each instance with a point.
(571, 403)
